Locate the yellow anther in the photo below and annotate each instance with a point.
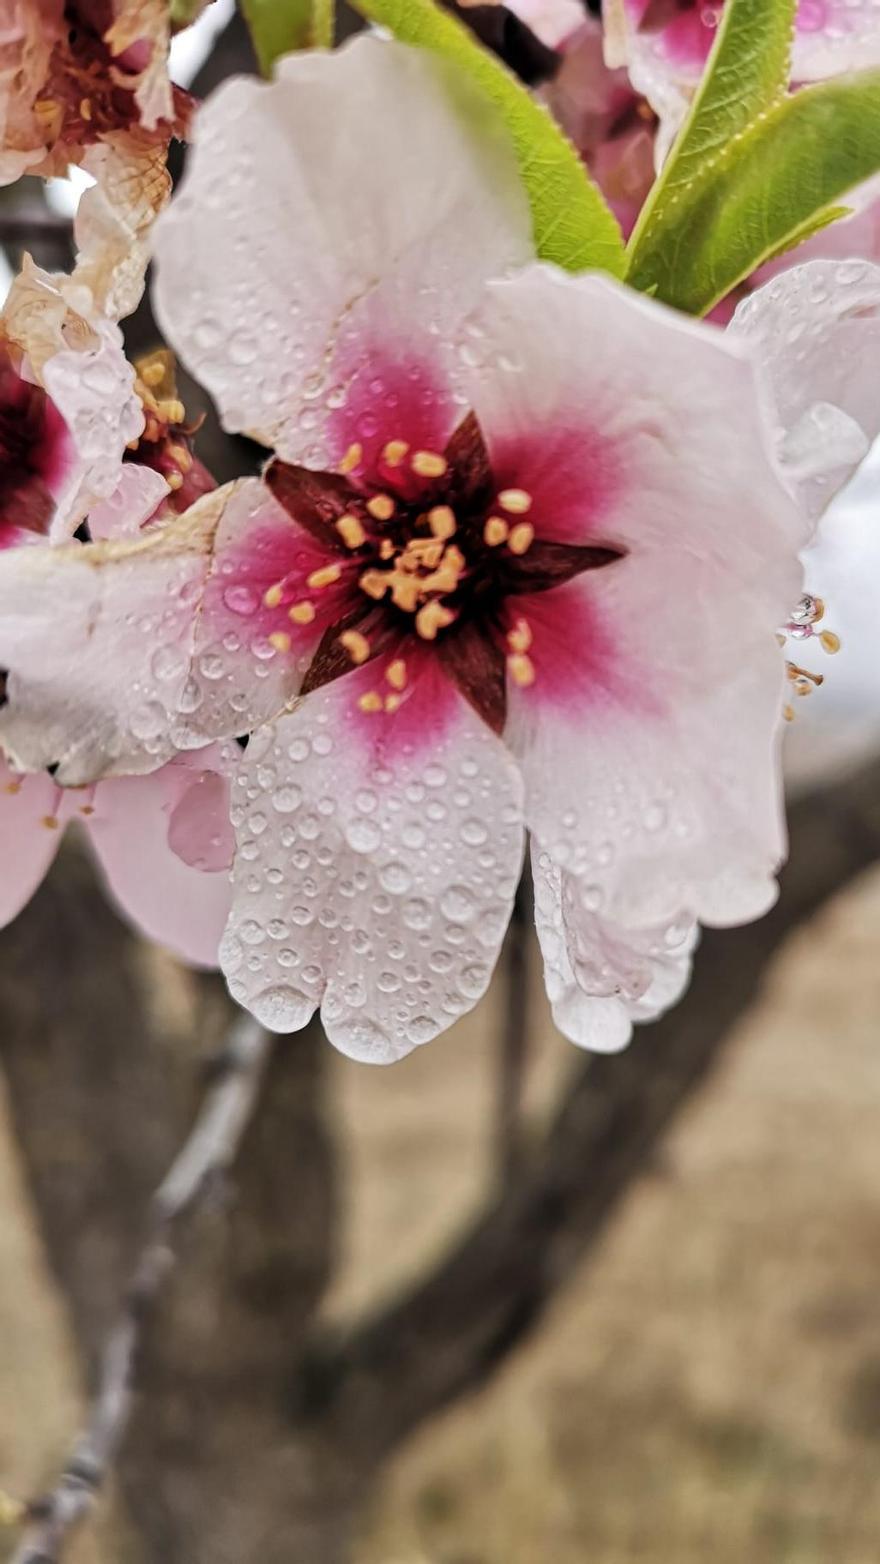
(352, 458)
(818, 610)
(431, 618)
(174, 480)
(87, 809)
(181, 456)
(351, 531)
(392, 702)
(428, 464)
(324, 577)
(12, 787)
(519, 639)
(441, 520)
(273, 596)
(381, 506)
(301, 613)
(356, 644)
(395, 673)
(421, 553)
(788, 713)
(172, 411)
(386, 549)
(280, 640)
(372, 701)
(375, 583)
(153, 374)
(495, 531)
(521, 537)
(394, 452)
(521, 669)
(405, 590)
(448, 573)
(829, 641)
(50, 822)
(515, 501)
(85, 109)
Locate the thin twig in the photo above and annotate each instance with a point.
(207, 1153)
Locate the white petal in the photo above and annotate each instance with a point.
(600, 976)
(27, 844)
(121, 653)
(815, 330)
(835, 36)
(376, 885)
(648, 740)
(348, 210)
(138, 494)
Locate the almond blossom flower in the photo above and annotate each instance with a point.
(163, 842)
(518, 563)
(665, 44)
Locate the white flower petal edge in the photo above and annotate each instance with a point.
(649, 746)
(600, 977)
(375, 885)
(112, 665)
(297, 247)
(815, 331)
(77, 356)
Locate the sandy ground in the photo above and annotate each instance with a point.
(710, 1385)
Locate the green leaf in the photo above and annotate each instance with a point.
(279, 26)
(572, 224)
(764, 193)
(746, 74)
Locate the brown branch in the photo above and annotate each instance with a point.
(446, 1337)
(207, 1153)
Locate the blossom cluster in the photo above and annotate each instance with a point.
(515, 567)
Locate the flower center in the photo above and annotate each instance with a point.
(426, 546)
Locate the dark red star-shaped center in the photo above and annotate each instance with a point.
(439, 552)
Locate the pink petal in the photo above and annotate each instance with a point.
(374, 882)
(386, 250)
(136, 828)
(27, 843)
(647, 740)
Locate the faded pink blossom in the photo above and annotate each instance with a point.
(518, 564)
(164, 844)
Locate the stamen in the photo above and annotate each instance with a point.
(153, 374)
(495, 531)
(521, 537)
(324, 577)
(515, 501)
(431, 618)
(372, 701)
(280, 640)
(405, 590)
(519, 639)
(428, 464)
(50, 822)
(302, 613)
(394, 452)
(521, 669)
(395, 673)
(273, 596)
(356, 644)
(386, 549)
(441, 520)
(375, 583)
(352, 458)
(181, 456)
(351, 531)
(174, 480)
(830, 642)
(85, 109)
(381, 506)
(12, 787)
(172, 411)
(392, 702)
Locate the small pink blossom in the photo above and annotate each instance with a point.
(164, 844)
(517, 564)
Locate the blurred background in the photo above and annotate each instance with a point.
(499, 1304)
